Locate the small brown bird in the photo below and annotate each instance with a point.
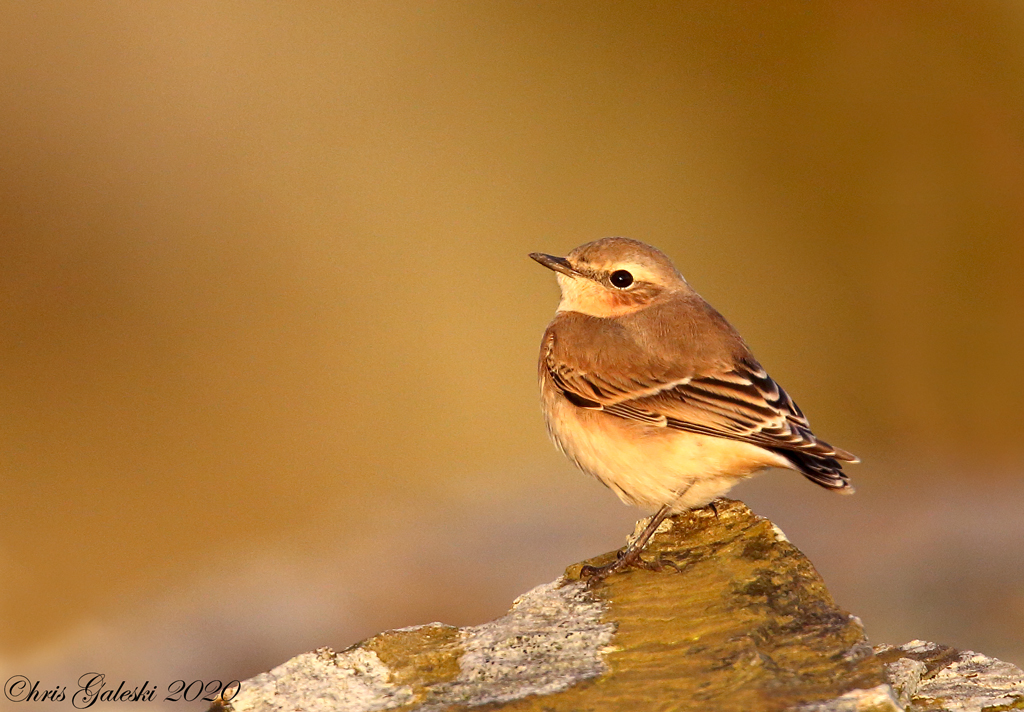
(650, 390)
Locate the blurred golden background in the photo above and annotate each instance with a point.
(269, 328)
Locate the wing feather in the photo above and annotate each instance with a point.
(741, 402)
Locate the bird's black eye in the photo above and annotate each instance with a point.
(621, 279)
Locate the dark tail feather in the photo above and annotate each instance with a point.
(820, 469)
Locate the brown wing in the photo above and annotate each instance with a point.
(741, 403)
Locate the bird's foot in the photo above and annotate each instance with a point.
(624, 559)
(630, 556)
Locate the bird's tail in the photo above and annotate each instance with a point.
(820, 469)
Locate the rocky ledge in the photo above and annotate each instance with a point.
(734, 618)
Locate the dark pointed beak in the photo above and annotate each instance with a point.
(558, 264)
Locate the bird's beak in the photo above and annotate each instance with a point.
(558, 264)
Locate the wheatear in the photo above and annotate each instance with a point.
(650, 390)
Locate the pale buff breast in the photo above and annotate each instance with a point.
(649, 466)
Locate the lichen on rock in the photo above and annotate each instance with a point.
(938, 678)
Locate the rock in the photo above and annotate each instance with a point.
(931, 677)
(736, 618)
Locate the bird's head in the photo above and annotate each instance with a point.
(612, 277)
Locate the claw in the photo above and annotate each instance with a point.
(630, 556)
(623, 561)
(664, 563)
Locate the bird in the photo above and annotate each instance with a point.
(646, 387)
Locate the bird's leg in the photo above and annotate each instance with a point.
(630, 556)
